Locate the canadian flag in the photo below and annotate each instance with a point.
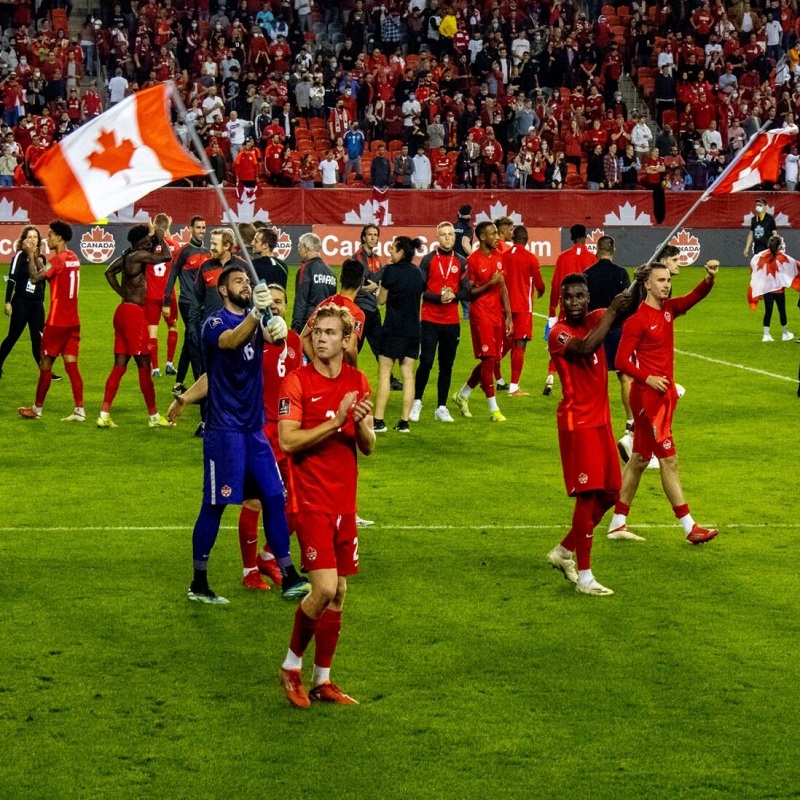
(770, 273)
(115, 159)
(759, 162)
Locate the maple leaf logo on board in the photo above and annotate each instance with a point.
(688, 244)
(496, 210)
(112, 157)
(284, 247)
(627, 214)
(97, 245)
(592, 239)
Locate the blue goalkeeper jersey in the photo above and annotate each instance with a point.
(235, 378)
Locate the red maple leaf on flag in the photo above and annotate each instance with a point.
(768, 263)
(112, 157)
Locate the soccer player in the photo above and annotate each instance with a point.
(130, 326)
(62, 329)
(325, 419)
(646, 353)
(351, 279)
(523, 275)
(184, 268)
(157, 273)
(446, 283)
(585, 437)
(606, 280)
(573, 260)
(236, 454)
(401, 290)
(505, 229)
(489, 318)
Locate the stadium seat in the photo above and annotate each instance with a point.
(376, 143)
(608, 10)
(395, 145)
(624, 13)
(574, 181)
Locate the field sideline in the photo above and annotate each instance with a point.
(479, 671)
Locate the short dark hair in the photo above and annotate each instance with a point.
(62, 229)
(408, 246)
(520, 234)
(137, 233)
(366, 228)
(606, 244)
(195, 220)
(481, 227)
(226, 273)
(269, 237)
(352, 276)
(668, 251)
(574, 279)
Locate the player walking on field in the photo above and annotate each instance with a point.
(157, 277)
(325, 419)
(62, 329)
(489, 318)
(523, 275)
(237, 457)
(647, 353)
(585, 436)
(130, 327)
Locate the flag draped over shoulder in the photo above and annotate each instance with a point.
(770, 273)
(115, 159)
(759, 162)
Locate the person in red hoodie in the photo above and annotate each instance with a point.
(246, 166)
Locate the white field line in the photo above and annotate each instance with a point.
(377, 527)
(725, 363)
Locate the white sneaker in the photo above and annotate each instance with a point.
(679, 390)
(625, 446)
(156, 373)
(416, 410)
(623, 533)
(565, 565)
(787, 336)
(653, 463)
(767, 338)
(363, 523)
(594, 588)
(442, 414)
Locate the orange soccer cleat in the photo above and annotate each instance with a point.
(701, 535)
(27, 412)
(292, 685)
(271, 570)
(253, 580)
(330, 693)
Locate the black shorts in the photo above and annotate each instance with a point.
(399, 347)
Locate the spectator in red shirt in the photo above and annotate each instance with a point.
(246, 166)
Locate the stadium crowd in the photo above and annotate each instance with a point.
(519, 94)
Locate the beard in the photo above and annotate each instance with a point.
(239, 301)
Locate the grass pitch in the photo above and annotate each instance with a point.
(480, 672)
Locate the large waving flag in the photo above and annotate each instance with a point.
(759, 162)
(115, 159)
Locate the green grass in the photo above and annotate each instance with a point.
(480, 673)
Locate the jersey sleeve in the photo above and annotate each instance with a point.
(536, 275)
(560, 336)
(211, 331)
(680, 305)
(56, 267)
(290, 401)
(631, 334)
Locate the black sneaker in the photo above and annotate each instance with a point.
(402, 427)
(200, 432)
(178, 389)
(501, 387)
(396, 384)
(379, 426)
(170, 370)
(205, 595)
(548, 390)
(56, 377)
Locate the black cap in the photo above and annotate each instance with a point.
(465, 211)
(577, 232)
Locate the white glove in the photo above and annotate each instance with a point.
(551, 322)
(275, 329)
(262, 300)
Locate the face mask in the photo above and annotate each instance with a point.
(759, 209)
(194, 24)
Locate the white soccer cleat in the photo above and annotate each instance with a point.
(654, 463)
(592, 587)
(363, 523)
(416, 410)
(625, 446)
(74, 417)
(623, 533)
(767, 337)
(565, 565)
(787, 336)
(679, 390)
(443, 414)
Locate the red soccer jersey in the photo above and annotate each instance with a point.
(156, 276)
(584, 381)
(359, 318)
(576, 259)
(64, 277)
(279, 360)
(488, 306)
(523, 273)
(648, 338)
(323, 477)
(441, 270)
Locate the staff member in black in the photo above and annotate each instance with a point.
(401, 292)
(605, 281)
(367, 298)
(314, 282)
(24, 300)
(463, 244)
(762, 228)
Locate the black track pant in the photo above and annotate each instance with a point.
(446, 337)
(24, 314)
(774, 299)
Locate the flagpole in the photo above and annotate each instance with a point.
(212, 176)
(705, 195)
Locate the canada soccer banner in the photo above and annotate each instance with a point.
(115, 159)
(759, 162)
